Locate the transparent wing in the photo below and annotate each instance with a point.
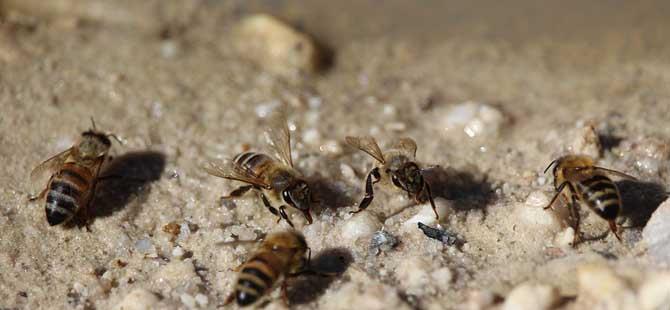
(368, 145)
(407, 146)
(226, 170)
(280, 137)
(44, 171)
(616, 173)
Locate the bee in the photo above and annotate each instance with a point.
(276, 181)
(279, 256)
(579, 181)
(397, 165)
(73, 176)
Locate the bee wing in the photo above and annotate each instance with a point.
(407, 146)
(616, 173)
(280, 137)
(46, 169)
(368, 145)
(227, 171)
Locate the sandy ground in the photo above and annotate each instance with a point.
(546, 80)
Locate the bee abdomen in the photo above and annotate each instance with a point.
(253, 162)
(602, 196)
(255, 279)
(62, 201)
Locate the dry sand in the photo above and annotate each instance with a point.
(545, 80)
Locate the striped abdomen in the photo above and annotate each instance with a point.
(256, 278)
(601, 195)
(68, 192)
(255, 164)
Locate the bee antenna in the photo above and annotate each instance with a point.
(93, 123)
(115, 138)
(550, 164)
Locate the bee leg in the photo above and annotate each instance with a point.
(614, 230)
(229, 299)
(369, 192)
(269, 206)
(284, 293)
(282, 211)
(574, 212)
(430, 198)
(238, 192)
(40, 196)
(558, 193)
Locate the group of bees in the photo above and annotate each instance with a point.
(74, 173)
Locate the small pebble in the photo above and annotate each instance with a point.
(361, 225)
(202, 300)
(138, 299)
(187, 300)
(276, 46)
(413, 275)
(598, 284)
(586, 142)
(654, 293)
(382, 241)
(331, 147)
(177, 252)
(144, 246)
(426, 214)
(475, 119)
(656, 233)
(442, 277)
(531, 297)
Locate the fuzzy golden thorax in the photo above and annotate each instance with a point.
(290, 247)
(93, 145)
(572, 168)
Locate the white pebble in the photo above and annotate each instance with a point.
(565, 238)
(475, 119)
(654, 293)
(311, 136)
(202, 300)
(177, 252)
(413, 275)
(184, 232)
(264, 109)
(537, 199)
(187, 300)
(314, 102)
(331, 147)
(276, 46)
(361, 225)
(138, 299)
(586, 141)
(426, 214)
(599, 284)
(144, 246)
(169, 49)
(657, 233)
(442, 277)
(531, 297)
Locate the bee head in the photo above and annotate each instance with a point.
(299, 196)
(408, 177)
(93, 144)
(568, 164)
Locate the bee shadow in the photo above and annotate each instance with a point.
(126, 177)
(640, 200)
(330, 195)
(305, 289)
(468, 190)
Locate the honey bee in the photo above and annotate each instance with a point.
(73, 176)
(580, 181)
(279, 256)
(276, 181)
(397, 165)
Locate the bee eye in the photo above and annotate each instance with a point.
(287, 198)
